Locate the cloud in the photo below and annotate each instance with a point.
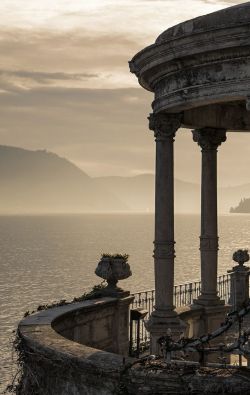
(44, 77)
(46, 57)
(99, 42)
(23, 79)
(230, 2)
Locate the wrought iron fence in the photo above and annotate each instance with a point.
(184, 295)
(143, 300)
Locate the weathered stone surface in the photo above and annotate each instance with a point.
(199, 63)
(185, 381)
(209, 139)
(239, 279)
(55, 365)
(59, 347)
(164, 317)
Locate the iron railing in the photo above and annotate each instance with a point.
(184, 295)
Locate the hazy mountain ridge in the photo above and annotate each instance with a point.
(138, 193)
(41, 181)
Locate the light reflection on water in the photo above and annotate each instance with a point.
(47, 258)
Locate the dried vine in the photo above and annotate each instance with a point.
(95, 293)
(168, 345)
(23, 373)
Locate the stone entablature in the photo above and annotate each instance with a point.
(198, 63)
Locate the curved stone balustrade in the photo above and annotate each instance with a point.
(56, 365)
(62, 366)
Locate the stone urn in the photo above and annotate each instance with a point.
(113, 268)
(241, 257)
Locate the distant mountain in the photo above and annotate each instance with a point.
(40, 181)
(243, 207)
(138, 193)
(43, 182)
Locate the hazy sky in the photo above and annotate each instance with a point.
(65, 84)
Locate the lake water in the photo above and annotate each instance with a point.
(48, 258)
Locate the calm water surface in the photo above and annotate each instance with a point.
(48, 258)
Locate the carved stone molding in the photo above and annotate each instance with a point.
(209, 243)
(209, 138)
(164, 249)
(164, 125)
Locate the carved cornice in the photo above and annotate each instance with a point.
(164, 125)
(164, 249)
(133, 68)
(153, 63)
(209, 138)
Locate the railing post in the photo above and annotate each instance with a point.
(239, 290)
(190, 293)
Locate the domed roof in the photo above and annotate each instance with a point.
(233, 16)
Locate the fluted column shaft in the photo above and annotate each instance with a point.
(164, 127)
(209, 139)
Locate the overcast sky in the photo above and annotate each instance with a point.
(65, 84)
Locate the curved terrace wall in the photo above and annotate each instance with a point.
(57, 363)
(58, 352)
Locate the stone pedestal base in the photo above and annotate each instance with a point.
(239, 290)
(114, 292)
(159, 324)
(213, 316)
(202, 320)
(208, 300)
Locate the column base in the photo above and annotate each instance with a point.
(213, 317)
(159, 324)
(208, 300)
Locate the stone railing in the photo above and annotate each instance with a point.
(54, 364)
(81, 346)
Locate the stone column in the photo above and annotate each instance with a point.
(209, 139)
(164, 316)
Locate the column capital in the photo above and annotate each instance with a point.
(164, 125)
(209, 138)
